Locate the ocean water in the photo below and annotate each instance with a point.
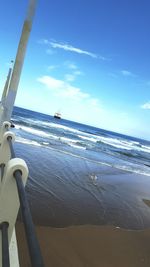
(120, 151)
(81, 174)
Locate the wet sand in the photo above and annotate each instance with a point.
(87, 201)
(66, 190)
(89, 246)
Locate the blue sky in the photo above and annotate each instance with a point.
(88, 59)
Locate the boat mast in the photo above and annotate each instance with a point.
(9, 95)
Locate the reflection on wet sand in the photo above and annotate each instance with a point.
(89, 246)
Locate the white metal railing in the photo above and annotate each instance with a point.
(14, 173)
(9, 201)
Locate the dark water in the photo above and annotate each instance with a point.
(81, 174)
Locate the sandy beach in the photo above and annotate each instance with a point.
(89, 246)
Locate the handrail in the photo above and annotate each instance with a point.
(2, 166)
(9, 201)
(33, 246)
(9, 138)
(5, 247)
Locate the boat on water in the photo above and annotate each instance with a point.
(57, 115)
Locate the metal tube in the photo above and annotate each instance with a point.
(9, 138)
(33, 246)
(5, 245)
(2, 166)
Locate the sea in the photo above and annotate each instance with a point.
(79, 174)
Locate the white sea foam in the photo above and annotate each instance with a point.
(60, 126)
(67, 140)
(145, 148)
(50, 124)
(109, 141)
(129, 168)
(114, 142)
(118, 143)
(45, 143)
(125, 144)
(35, 131)
(72, 143)
(134, 168)
(17, 126)
(91, 139)
(26, 141)
(78, 147)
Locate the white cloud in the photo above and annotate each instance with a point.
(70, 48)
(127, 73)
(72, 76)
(146, 105)
(74, 71)
(63, 88)
(75, 104)
(82, 105)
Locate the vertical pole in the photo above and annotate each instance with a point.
(14, 82)
(6, 85)
(5, 91)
